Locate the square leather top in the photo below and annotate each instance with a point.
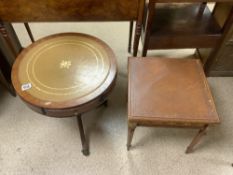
(169, 90)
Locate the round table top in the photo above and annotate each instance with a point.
(63, 70)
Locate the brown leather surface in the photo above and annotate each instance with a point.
(169, 90)
(64, 70)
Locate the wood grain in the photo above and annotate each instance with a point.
(68, 10)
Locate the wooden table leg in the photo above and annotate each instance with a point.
(85, 148)
(138, 27)
(29, 32)
(130, 35)
(6, 37)
(196, 139)
(137, 34)
(149, 21)
(131, 129)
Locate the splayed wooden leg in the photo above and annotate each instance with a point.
(196, 139)
(131, 129)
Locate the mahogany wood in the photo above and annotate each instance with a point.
(4, 33)
(68, 10)
(5, 70)
(218, 61)
(199, 36)
(186, 25)
(196, 139)
(179, 26)
(174, 93)
(188, 1)
(138, 27)
(69, 73)
(130, 35)
(74, 10)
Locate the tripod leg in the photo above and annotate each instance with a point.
(85, 148)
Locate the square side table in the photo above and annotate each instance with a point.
(170, 93)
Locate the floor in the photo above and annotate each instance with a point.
(34, 144)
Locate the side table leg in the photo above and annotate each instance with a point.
(130, 35)
(196, 139)
(4, 34)
(85, 149)
(131, 129)
(138, 27)
(29, 32)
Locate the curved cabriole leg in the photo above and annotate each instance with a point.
(196, 139)
(131, 129)
(85, 148)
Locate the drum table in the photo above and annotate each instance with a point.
(65, 75)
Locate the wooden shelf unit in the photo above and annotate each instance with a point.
(218, 61)
(171, 24)
(182, 26)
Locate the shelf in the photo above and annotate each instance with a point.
(183, 26)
